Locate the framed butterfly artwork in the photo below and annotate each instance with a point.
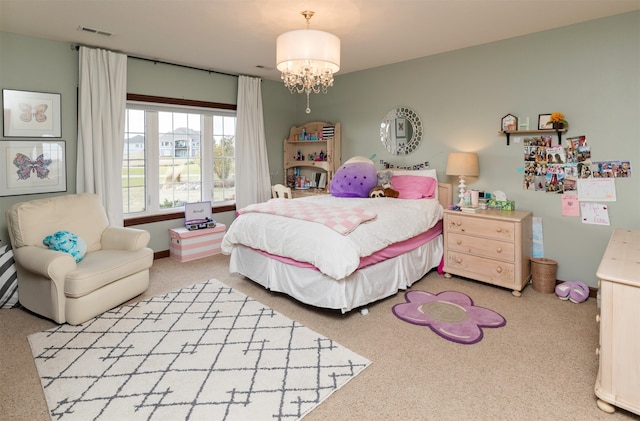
(32, 166)
(31, 114)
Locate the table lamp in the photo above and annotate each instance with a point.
(462, 164)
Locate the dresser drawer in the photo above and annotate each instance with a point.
(494, 249)
(487, 270)
(489, 228)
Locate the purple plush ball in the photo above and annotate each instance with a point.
(354, 178)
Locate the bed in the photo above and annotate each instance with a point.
(344, 268)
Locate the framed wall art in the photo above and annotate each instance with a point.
(401, 127)
(32, 166)
(31, 114)
(543, 119)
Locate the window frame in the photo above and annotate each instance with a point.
(149, 101)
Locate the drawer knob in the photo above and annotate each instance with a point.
(498, 229)
(458, 223)
(459, 242)
(458, 260)
(499, 269)
(499, 249)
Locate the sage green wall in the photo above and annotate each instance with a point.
(33, 64)
(148, 78)
(589, 71)
(158, 79)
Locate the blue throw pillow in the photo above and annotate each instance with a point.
(67, 242)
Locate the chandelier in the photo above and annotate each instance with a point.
(308, 59)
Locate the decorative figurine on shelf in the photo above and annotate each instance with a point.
(322, 157)
(299, 156)
(509, 123)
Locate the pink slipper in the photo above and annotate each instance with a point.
(579, 292)
(564, 289)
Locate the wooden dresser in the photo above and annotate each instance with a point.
(491, 246)
(618, 381)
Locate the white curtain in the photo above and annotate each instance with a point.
(102, 101)
(253, 184)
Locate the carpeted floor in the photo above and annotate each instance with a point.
(540, 366)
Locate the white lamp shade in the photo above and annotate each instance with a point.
(462, 163)
(295, 49)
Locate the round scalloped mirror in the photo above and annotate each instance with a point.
(401, 131)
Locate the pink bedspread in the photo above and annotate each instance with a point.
(340, 219)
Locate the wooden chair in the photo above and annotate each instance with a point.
(281, 191)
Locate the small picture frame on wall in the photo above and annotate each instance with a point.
(509, 123)
(32, 166)
(31, 114)
(401, 127)
(543, 122)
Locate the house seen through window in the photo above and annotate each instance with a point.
(175, 155)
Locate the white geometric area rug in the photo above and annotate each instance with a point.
(206, 352)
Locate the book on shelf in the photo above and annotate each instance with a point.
(328, 131)
(322, 183)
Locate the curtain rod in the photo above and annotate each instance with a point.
(76, 47)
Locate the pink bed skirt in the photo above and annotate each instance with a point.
(386, 253)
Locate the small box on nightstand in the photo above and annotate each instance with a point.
(188, 245)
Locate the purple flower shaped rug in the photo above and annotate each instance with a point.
(450, 314)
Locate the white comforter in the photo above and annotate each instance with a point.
(334, 254)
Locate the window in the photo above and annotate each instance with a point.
(175, 155)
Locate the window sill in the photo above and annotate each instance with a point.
(149, 219)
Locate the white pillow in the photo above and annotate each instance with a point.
(429, 172)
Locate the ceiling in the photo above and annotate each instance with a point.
(239, 36)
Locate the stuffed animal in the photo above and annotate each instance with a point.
(379, 191)
(389, 192)
(67, 242)
(384, 179)
(355, 178)
(376, 191)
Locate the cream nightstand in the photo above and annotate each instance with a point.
(491, 246)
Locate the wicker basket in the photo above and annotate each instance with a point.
(543, 275)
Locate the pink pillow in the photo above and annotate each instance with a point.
(414, 186)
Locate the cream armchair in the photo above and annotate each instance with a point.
(114, 269)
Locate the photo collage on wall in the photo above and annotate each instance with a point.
(556, 169)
